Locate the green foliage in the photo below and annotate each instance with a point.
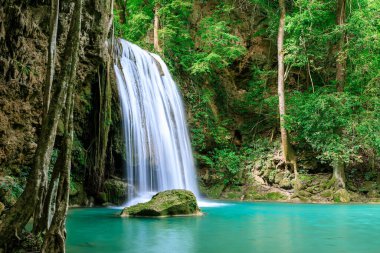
(333, 124)
(79, 158)
(310, 27)
(207, 43)
(219, 47)
(10, 189)
(363, 47)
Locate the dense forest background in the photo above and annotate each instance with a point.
(224, 56)
(282, 97)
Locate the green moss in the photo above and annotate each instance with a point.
(166, 203)
(329, 184)
(327, 194)
(267, 196)
(213, 191)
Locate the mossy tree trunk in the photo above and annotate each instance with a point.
(56, 233)
(54, 13)
(15, 219)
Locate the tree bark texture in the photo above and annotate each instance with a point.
(15, 219)
(56, 233)
(54, 13)
(339, 175)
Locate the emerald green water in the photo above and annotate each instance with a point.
(236, 228)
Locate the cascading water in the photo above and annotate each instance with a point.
(158, 150)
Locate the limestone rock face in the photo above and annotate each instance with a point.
(166, 203)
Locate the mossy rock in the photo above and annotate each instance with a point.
(116, 191)
(166, 203)
(304, 194)
(342, 195)
(368, 186)
(286, 183)
(327, 194)
(214, 191)
(266, 196)
(78, 196)
(279, 177)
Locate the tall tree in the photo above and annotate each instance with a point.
(287, 151)
(54, 13)
(341, 62)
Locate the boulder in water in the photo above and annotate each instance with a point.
(166, 203)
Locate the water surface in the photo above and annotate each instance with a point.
(236, 228)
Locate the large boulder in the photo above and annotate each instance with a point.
(166, 203)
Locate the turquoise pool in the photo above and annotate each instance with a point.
(235, 227)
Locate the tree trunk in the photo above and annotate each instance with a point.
(54, 13)
(287, 151)
(42, 224)
(156, 26)
(56, 234)
(15, 219)
(341, 59)
(339, 175)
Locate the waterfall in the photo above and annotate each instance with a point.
(157, 143)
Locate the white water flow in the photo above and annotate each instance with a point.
(158, 151)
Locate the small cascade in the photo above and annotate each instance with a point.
(158, 151)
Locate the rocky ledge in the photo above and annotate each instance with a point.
(166, 203)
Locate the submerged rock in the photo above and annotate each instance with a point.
(166, 203)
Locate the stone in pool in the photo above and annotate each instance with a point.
(166, 203)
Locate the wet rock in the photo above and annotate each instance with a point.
(116, 191)
(279, 177)
(286, 183)
(342, 195)
(78, 196)
(166, 203)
